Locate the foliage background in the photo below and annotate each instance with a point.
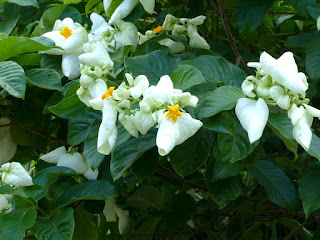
(216, 185)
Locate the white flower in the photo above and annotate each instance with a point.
(253, 116)
(283, 100)
(99, 27)
(169, 22)
(53, 156)
(263, 89)
(144, 121)
(318, 23)
(175, 127)
(107, 131)
(137, 85)
(8, 147)
(3, 202)
(14, 174)
(196, 40)
(312, 110)
(74, 161)
(247, 87)
(70, 37)
(127, 33)
(125, 8)
(90, 175)
(128, 122)
(284, 71)
(301, 120)
(96, 55)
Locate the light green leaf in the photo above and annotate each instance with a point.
(44, 78)
(12, 78)
(125, 154)
(154, 65)
(7, 26)
(60, 228)
(24, 2)
(221, 99)
(278, 186)
(186, 76)
(16, 222)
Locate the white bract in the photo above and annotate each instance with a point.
(126, 34)
(74, 161)
(70, 37)
(14, 174)
(253, 116)
(8, 147)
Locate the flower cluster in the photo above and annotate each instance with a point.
(162, 104)
(14, 175)
(184, 27)
(73, 160)
(277, 83)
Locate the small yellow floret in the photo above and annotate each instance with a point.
(66, 32)
(173, 113)
(158, 29)
(108, 93)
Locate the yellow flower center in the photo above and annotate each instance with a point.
(158, 29)
(108, 93)
(66, 32)
(174, 112)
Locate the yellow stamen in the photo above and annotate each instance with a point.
(108, 93)
(66, 32)
(158, 29)
(173, 113)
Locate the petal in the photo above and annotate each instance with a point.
(129, 79)
(197, 20)
(106, 5)
(312, 110)
(70, 66)
(90, 175)
(127, 34)
(129, 124)
(284, 71)
(256, 65)
(123, 10)
(166, 137)
(253, 116)
(302, 133)
(169, 22)
(296, 113)
(99, 26)
(3, 202)
(144, 121)
(8, 147)
(98, 88)
(15, 174)
(53, 156)
(277, 94)
(108, 211)
(135, 92)
(108, 131)
(74, 161)
(247, 88)
(148, 5)
(196, 40)
(173, 46)
(68, 22)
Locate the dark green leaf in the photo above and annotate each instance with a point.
(44, 78)
(313, 59)
(301, 5)
(146, 196)
(222, 122)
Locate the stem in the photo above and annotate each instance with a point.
(296, 230)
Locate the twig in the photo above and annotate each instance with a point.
(235, 50)
(275, 38)
(5, 125)
(269, 12)
(152, 236)
(296, 230)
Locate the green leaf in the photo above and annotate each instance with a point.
(12, 46)
(92, 156)
(309, 190)
(12, 78)
(301, 6)
(69, 107)
(91, 190)
(221, 99)
(24, 2)
(186, 76)
(60, 228)
(126, 153)
(146, 196)
(78, 127)
(282, 123)
(28, 60)
(278, 186)
(217, 69)
(193, 153)
(113, 6)
(16, 222)
(302, 40)
(222, 122)
(313, 59)
(147, 164)
(44, 78)
(91, 4)
(6, 27)
(314, 149)
(154, 65)
(85, 227)
(250, 13)
(50, 16)
(225, 190)
(235, 147)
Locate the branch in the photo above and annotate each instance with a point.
(153, 236)
(296, 230)
(239, 59)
